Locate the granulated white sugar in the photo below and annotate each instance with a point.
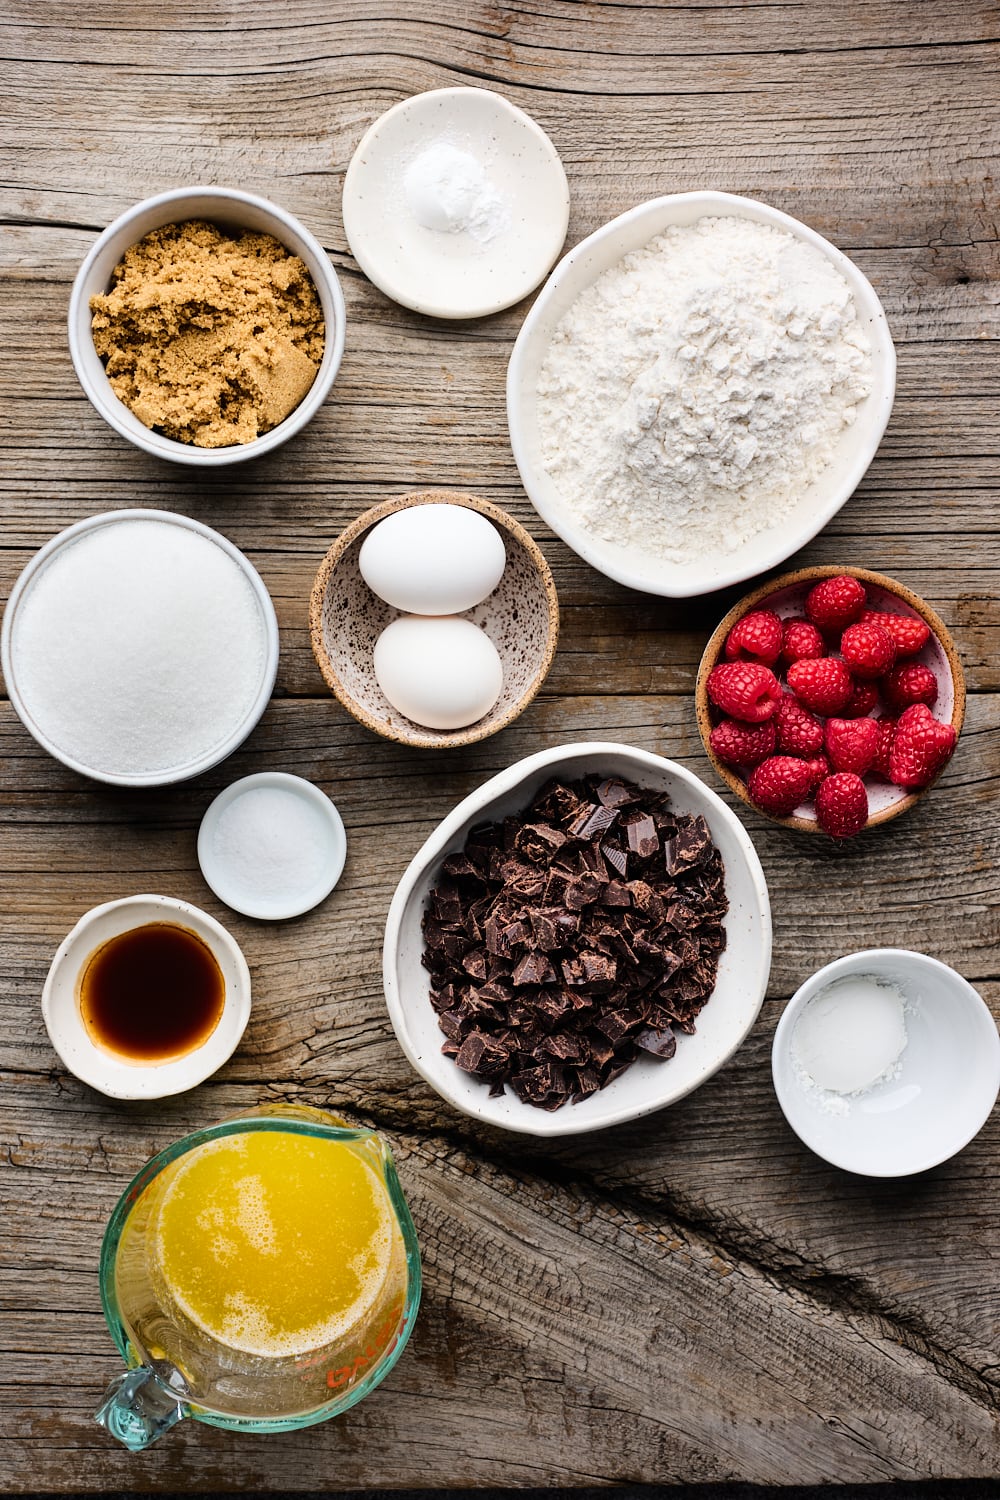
(273, 845)
(139, 648)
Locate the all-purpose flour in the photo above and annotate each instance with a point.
(696, 388)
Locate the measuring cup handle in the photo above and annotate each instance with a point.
(137, 1409)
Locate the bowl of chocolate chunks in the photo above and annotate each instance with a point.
(585, 939)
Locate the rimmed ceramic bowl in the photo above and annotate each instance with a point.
(111, 1073)
(35, 708)
(649, 1084)
(786, 596)
(521, 618)
(816, 505)
(230, 208)
(941, 1092)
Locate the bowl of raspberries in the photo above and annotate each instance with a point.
(830, 699)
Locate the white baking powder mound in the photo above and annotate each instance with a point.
(139, 647)
(692, 393)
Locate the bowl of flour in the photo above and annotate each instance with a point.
(698, 389)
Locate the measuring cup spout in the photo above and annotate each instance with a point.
(137, 1409)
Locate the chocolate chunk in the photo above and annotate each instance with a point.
(550, 970)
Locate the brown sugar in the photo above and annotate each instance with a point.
(211, 338)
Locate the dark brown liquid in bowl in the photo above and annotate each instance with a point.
(152, 993)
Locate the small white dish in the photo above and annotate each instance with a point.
(227, 207)
(936, 1099)
(451, 274)
(816, 506)
(108, 1072)
(272, 846)
(649, 1084)
(36, 716)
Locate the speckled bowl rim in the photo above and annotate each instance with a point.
(716, 641)
(363, 523)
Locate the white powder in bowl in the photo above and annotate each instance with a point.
(272, 845)
(139, 647)
(692, 393)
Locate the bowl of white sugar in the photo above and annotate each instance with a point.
(886, 1062)
(698, 389)
(139, 647)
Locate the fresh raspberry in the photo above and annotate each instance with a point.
(819, 767)
(824, 685)
(920, 747)
(910, 683)
(909, 632)
(800, 639)
(883, 747)
(743, 744)
(799, 731)
(835, 602)
(842, 805)
(864, 697)
(869, 650)
(851, 744)
(745, 690)
(779, 784)
(758, 634)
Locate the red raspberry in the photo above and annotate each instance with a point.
(745, 690)
(909, 633)
(824, 686)
(758, 634)
(835, 602)
(920, 747)
(842, 805)
(799, 731)
(779, 784)
(910, 683)
(743, 744)
(864, 697)
(851, 744)
(801, 639)
(819, 767)
(883, 747)
(869, 650)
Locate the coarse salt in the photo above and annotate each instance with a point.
(140, 648)
(272, 845)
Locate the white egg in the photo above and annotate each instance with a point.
(433, 559)
(440, 672)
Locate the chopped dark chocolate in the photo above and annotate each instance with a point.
(565, 942)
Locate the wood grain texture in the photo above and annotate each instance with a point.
(694, 1296)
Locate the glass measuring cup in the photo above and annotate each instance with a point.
(184, 1362)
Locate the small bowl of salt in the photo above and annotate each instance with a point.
(886, 1062)
(272, 846)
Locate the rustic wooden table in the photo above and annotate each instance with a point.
(693, 1297)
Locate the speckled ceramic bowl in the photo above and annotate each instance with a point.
(786, 596)
(521, 618)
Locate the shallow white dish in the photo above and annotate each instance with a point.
(117, 1076)
(449, 274)
(648, 1084)
(229, 736)
(946, 1082)
(325, 825)
(228, 207)
(817, 505)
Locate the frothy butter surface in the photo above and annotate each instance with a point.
(275, 1243)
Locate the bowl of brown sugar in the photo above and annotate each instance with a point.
(206, 325)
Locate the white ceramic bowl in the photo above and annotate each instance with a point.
(447, 274)
(117, 1076)
(648, 1084)
(226, 206)
(945, 1087)
(265, 892)
(817, 504)
(230, 736)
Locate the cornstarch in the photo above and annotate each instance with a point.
(692, 393)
